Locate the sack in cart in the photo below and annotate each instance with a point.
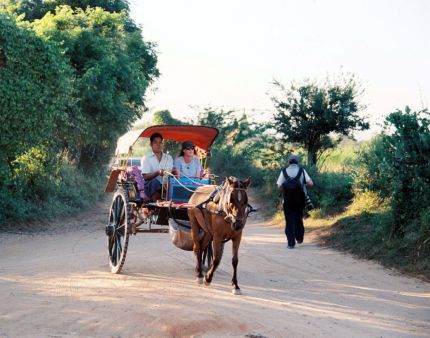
(180, 234)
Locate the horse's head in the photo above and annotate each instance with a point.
(237, 204)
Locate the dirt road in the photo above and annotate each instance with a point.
(56, 284)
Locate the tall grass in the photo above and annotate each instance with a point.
(389, 217)
(62, 192)
(333, 180)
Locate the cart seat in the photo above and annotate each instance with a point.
(179, 190)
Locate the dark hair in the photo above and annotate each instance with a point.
(185, 145)
(293, 159)
(154, 136)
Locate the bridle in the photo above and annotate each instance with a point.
(225, 201)
(219, 200)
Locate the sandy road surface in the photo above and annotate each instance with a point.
(58, 285)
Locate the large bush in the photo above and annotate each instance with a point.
(396, 166)
(239, 146)
(35, 90)
(332, 191)
(112, 66)
(36, 193)
(70, 83)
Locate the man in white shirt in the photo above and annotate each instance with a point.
(154, 165)
(294, 229)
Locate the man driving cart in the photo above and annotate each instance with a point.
(154, 165)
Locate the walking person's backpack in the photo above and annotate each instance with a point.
(294, 196)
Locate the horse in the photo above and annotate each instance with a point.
(221, 212)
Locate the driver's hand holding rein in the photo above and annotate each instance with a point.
(150, 176)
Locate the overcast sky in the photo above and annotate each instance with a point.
(226, 53)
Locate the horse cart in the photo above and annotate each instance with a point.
(131, 212)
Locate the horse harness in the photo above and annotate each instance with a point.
(221, 197)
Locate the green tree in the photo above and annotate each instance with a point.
(395, 165)
(36, 86)
(164, 117)
(36, 9)
(407, 150)
(70, 83)
(239, 147)
(308, 114)
(35, 90)
(112, 67)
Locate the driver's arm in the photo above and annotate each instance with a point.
(147, 170)
(153, 175)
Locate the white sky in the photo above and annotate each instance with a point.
(226, 53)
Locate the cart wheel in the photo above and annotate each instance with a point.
(118, 230)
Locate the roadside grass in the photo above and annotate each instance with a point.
(363, 230)
(340, 158)
(69, 193)
(361, 222)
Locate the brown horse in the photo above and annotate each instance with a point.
(221, 211)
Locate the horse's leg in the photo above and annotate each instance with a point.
(204, 245)
(196, 247)
(217, 245)
(234, 261)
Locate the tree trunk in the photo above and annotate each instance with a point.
(311, 157)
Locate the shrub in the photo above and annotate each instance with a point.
(35, 87)
(395, 166)
(331, 191)
(40, 190)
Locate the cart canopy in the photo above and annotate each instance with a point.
(201, 136)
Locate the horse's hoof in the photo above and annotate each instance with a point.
(236, 292)
(199, 280)
(207, 283)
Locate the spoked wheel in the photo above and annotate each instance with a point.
(118, 230)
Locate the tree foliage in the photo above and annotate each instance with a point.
(72, 79)
(308, 114)
(396, 165)
(112, 69)
(239, 146)
(164, 117)
(36, 9)
(35, 89)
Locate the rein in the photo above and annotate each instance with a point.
(183, 185)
